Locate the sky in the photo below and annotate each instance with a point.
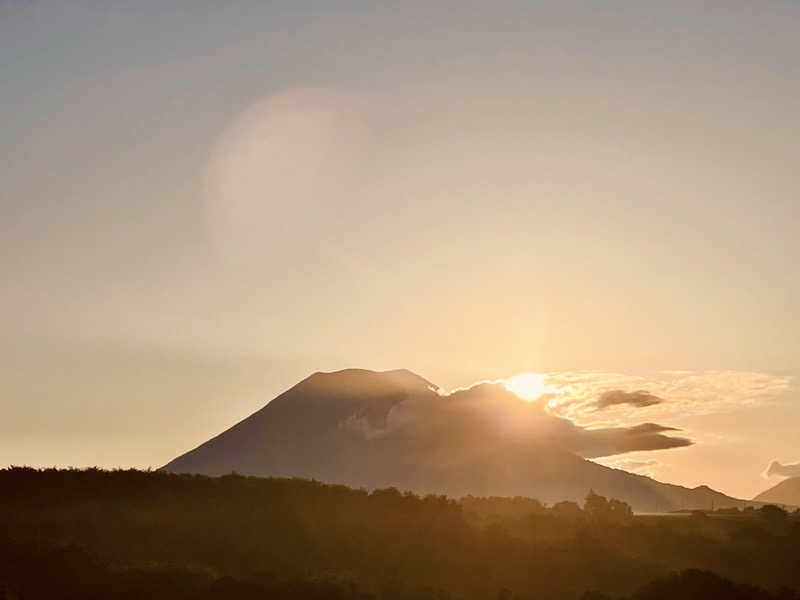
(201, 205)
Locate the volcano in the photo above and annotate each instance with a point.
(395, 429)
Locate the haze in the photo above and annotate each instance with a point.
(203, 205)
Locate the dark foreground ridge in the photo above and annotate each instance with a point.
(378, 429)
(131, 534)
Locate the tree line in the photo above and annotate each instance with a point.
(140, 534)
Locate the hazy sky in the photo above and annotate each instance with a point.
(202, 205)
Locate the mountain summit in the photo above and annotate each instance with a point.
(393, 428)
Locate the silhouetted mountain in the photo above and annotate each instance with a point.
(374, 430)
(786, 492)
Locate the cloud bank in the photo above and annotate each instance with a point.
(484, 413)
(594, 415)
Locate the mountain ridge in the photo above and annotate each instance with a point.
(394, 429)
(787, 492)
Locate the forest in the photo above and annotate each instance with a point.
(129, 534)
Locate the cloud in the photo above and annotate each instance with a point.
(650, 428)
(690, 393)
(621, 440)
(776, 469)
(486, 420)
(478, 417)
(638, 398)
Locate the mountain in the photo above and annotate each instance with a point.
(394, 429)
(786, 492)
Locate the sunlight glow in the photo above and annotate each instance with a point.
(529, 386)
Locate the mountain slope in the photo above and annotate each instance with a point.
(393, 429)
(786, 492)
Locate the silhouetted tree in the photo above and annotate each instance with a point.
(92, 535)
(595, 506)
(774, 515)
(567, 510)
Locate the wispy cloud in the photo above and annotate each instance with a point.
(588, 397)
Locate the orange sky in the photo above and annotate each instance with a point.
(201, 207)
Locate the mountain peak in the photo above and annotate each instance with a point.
(365, 381)
(376, 429)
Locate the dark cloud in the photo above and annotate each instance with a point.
(619, 440)
(638, 398)
(779, 470)
(650, 428)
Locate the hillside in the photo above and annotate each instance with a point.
(786, 492)
(380, 429)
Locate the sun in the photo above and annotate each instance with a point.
(529, 386)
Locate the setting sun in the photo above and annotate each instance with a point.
(528, 386)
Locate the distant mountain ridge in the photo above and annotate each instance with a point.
(393, 429)
(787, 492)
